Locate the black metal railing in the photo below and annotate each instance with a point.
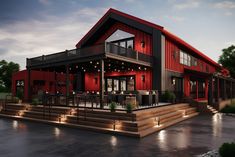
(88, 52)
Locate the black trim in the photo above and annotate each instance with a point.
(157, 60)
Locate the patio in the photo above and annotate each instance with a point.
(182, 140)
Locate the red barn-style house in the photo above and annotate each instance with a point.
(123, 53)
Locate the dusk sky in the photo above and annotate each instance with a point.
(30, 28)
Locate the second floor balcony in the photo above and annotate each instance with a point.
(105, 50)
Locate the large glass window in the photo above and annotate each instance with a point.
(130, 44)
(123, 83)
(119, 35)
(109, 85)
(130, 84)
(116, 85)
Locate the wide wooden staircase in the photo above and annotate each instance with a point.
(140, 123)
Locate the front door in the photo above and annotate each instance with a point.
(178, 87)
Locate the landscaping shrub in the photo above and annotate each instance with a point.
(113, 106)
(229, 108)
(20, 94)
(129, 108)
(168, 97)
(35, 101)
(227, 150)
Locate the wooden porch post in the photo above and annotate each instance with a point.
(29, 85)
(210, 90)
(101, 83)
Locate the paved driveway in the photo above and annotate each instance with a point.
(188, 138)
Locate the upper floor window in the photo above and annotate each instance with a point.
(122, 39)
(185, 58)
(119, 35)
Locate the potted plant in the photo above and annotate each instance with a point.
(129, 108)
(113, 106)
(20, 95)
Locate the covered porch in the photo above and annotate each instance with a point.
(96, 76)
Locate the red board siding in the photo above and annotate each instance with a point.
(48, 77)
(139, 36)
(173, 63)
(140, 85)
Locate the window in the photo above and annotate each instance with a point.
(130, 44)
(130, 84)
(116, 85)
(119, 35)
(125, 43)
(109, 85)
(185, 58)
(123, 83)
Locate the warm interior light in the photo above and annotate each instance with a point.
(90, 62)
(142, 44)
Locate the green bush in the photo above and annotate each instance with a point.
(129, 108)
(168, 96)
(35, 101)
(20, 94)
(227, 150)
(113, 106)
(229, 109)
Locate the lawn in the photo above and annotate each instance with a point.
(229, 108)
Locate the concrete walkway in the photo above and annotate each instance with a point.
(192, 137)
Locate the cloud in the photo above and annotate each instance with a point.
(50, 34)
(186, 4)
(225, 5)
(228, 13)
(44, 2)
(176, 18)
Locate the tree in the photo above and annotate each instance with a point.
(227, 59)
(6, 71)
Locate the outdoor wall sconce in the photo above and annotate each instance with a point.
(173, 81)
(142, 44)
(143, 78)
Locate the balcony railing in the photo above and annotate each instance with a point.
(100, 49)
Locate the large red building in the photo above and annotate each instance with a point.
(125, 53)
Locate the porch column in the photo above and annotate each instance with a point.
(55, 81)
(101, 83)
(218, 89)
(210, 90)
(67, 85)
(224, 89)
(29, 85)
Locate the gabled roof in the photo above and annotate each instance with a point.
(112, 13)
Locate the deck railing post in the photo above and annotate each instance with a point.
(101, 83)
